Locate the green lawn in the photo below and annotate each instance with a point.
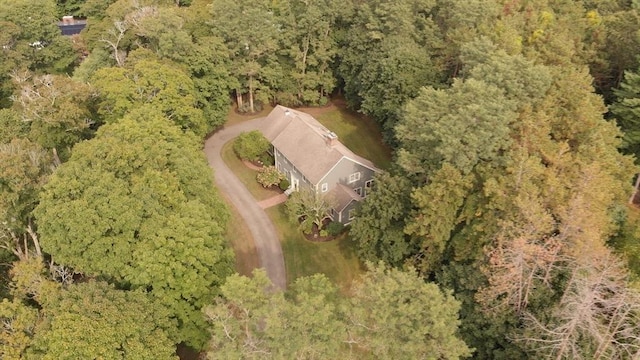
(241, 242)
(336, 259)
(358, 133)
(246, 175)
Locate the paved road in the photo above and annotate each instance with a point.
(261, 227)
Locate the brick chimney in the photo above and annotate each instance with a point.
(331, 138)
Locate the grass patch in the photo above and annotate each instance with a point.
(336, 259)
(247, 176)
(359, 133)
(234, 118)
(241, 241)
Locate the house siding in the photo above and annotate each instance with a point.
(285, 166)
(340, 174)
(344, 218)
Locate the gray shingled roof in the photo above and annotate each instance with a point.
(341, 196)
(303, 140)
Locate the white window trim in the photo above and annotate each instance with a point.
(354, 177)
(358, 191)
(368, 183)
(325, 187)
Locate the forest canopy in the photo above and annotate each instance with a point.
(506, 227)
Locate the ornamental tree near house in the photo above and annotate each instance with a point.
(308, 208)
(269, 176)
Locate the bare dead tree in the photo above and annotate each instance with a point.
(24, 246)
(116, 34)
(597, 308)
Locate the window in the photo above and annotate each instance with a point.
(368, 185)
(354, 177)
(325, 187)
(352, 214)
(358, 191)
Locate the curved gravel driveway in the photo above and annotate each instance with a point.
(261, 227)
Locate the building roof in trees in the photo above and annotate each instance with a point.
(342, 196)
(312, 149)
(71, 26)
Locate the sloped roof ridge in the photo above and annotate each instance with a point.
(321, 130)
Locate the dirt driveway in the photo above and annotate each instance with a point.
(262, 229)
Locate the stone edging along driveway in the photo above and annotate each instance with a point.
(262, 229)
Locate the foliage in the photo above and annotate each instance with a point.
(389, 51)
(437, 208)
(152, 83)
(284, 184)
(334, 228)
(468, 124)
(307, 208)
(394, 304)
(25, 168)
(250, 145)
(139, 208)
(94, 320)
(626, 109)
(312, 320)
(55, 111)
(19, 322)
(379, 227)
(268, 324)
(269, 176)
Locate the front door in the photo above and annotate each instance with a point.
(294, 183)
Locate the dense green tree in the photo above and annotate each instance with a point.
(420, 320)
(379, 227)
(626, 109)
(390, 50)
(392, 314)
(25, 167)
(150, 82)
(251, 145)
(19, 323)
(55, 111)
(462, 22)
(94, 320)
(31, 40)
(255, 321)
(309, 48)
(437, 211)
(618, 31)
(136, 204)
(90, 320)
(251, 32)
(463, 125)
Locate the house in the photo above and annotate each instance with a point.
(71, 26)
(312, 157)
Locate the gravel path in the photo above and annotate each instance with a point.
(261, 227)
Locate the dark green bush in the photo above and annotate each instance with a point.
(251, 145)
(284, 184)
(266, 159)
(334, 228)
